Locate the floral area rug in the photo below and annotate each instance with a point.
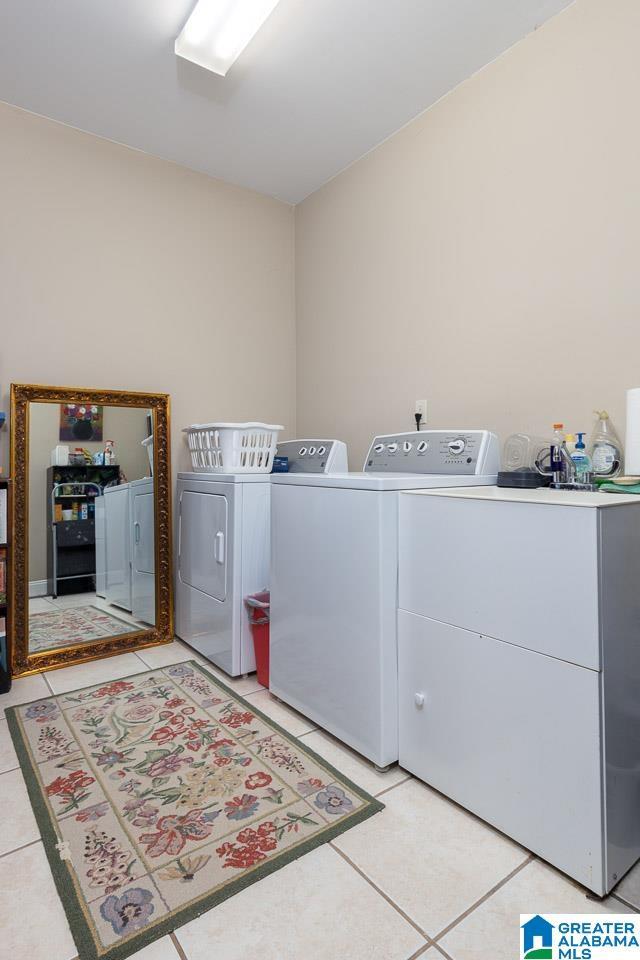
(71, 625)
(160, 795)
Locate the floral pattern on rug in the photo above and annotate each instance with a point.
(65, 627)
(166, 791)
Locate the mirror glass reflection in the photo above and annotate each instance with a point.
(91, 524)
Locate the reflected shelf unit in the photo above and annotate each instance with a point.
(71, 553)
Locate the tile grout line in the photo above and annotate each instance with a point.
(420, 952)
(430, 942)
(627, 903)
(10, 769)
(501, 883)
(177, 945)
(441, 949)
(393, 786)
(23, 846)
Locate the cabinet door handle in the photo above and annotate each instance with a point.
(218, 549)
(418, 699)
(136, 531)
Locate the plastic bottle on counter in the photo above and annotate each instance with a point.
(605, 448)
(109, 453)
(556, 442)
(582, 460)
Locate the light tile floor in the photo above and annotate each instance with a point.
(423, 878)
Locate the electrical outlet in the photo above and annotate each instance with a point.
(421, 407)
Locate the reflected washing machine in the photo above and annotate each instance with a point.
(101, 547)
(223, 547)
(117, 546)
(142, 531)
(334, 580)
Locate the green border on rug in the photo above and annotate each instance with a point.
(82, 935)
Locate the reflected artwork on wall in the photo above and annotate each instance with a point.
(80, 421)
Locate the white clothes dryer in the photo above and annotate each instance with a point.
(223, 550)
(334, 573)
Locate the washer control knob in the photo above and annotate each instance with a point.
(456, 447)
(302, 452)
(392, 447)
(312, 451)
(379, 447)
(322, 451)
(406, 446)
(422, 446)
(418, 699)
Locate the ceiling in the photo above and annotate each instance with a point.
(321, 83)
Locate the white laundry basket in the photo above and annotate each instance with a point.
(232, 447)
(148, 445)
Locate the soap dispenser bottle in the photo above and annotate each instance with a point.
(582, 460)
(605, 449)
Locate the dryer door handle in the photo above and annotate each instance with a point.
(218, 547)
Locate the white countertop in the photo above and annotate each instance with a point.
(564, 498)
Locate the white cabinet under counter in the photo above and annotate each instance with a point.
(519, 666)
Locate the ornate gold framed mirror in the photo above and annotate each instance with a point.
(90, 524)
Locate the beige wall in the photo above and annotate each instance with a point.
(487, 256)
(127, 427)
(120, 270)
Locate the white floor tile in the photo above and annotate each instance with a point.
(429, 856)
(24, 689)
(243, 686)
(74, 599)
(33, 923)
(351, 764)
(96, 671)
(495, 924)
(18, 822)
(40, 605)
(166, 654)
(292, 721)
(163, 949)
(317, 908)
(8, 756)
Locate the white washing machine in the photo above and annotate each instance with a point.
(142, 530)
(223, 539)
(334, 580)
(117, 549)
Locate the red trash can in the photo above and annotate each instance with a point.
(258, 611)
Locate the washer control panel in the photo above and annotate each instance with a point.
(464, 452)
(314, 456)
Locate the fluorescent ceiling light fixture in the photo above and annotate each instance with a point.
(217, 31)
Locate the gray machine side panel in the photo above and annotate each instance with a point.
(620, 632)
